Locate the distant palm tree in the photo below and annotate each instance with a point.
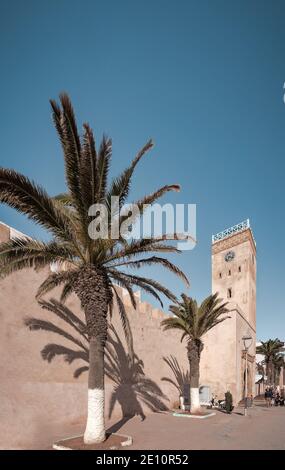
(278, 363)
(88, 267)
(260, 371)
(194, 321)
(269, 349)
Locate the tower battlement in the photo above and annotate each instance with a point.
(233, 236)
(229, 232)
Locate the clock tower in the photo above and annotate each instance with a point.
(224, 361)
(234, 268)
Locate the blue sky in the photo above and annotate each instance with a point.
(203, 78)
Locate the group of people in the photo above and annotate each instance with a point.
(215, 403)
(272, 397)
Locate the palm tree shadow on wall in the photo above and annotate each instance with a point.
(132, 388)
(181, 378)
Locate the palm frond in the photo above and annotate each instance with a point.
(148, 285)
(66, 126)
(120, 186)
(138, 247)
(125, 284)
(196, 320)
(54, 280)
(63, 198)
(269, 348)
(103, 165)
(155, 260)
(18, 192)
(151, 198)
(144, 203)
(174, 323)
(88, 168)
(66, 291)
(125, 321)
(151, 283)
(19, 253)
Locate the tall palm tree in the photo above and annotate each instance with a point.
(88, 267)
(132, 387)
(269, 349)
(194, 321)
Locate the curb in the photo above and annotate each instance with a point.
(182, 415)
(126, 443)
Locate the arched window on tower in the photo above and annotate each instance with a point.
(230, 293)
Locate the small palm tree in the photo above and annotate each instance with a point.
(194, 321)
(269, 349)
(90, 268)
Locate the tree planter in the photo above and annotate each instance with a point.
(195, 416)
(114, 441)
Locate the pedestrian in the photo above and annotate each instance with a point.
(277, 399)
(267, 397)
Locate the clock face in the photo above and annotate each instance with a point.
(229, 256)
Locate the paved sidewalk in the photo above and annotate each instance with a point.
(263, 428)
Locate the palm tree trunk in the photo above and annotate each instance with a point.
(95, 426)
(270, 371)
(93, 290)
(267, 373)
(194, 349)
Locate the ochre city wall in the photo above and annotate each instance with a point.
(36, 396)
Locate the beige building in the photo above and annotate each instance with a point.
(234, 278)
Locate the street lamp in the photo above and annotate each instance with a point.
(247, 342)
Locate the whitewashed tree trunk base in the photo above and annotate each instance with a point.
(194, 400)
(95, 427)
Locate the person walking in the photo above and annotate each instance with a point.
(267, 397)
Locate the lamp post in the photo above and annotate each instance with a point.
(247, 342)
